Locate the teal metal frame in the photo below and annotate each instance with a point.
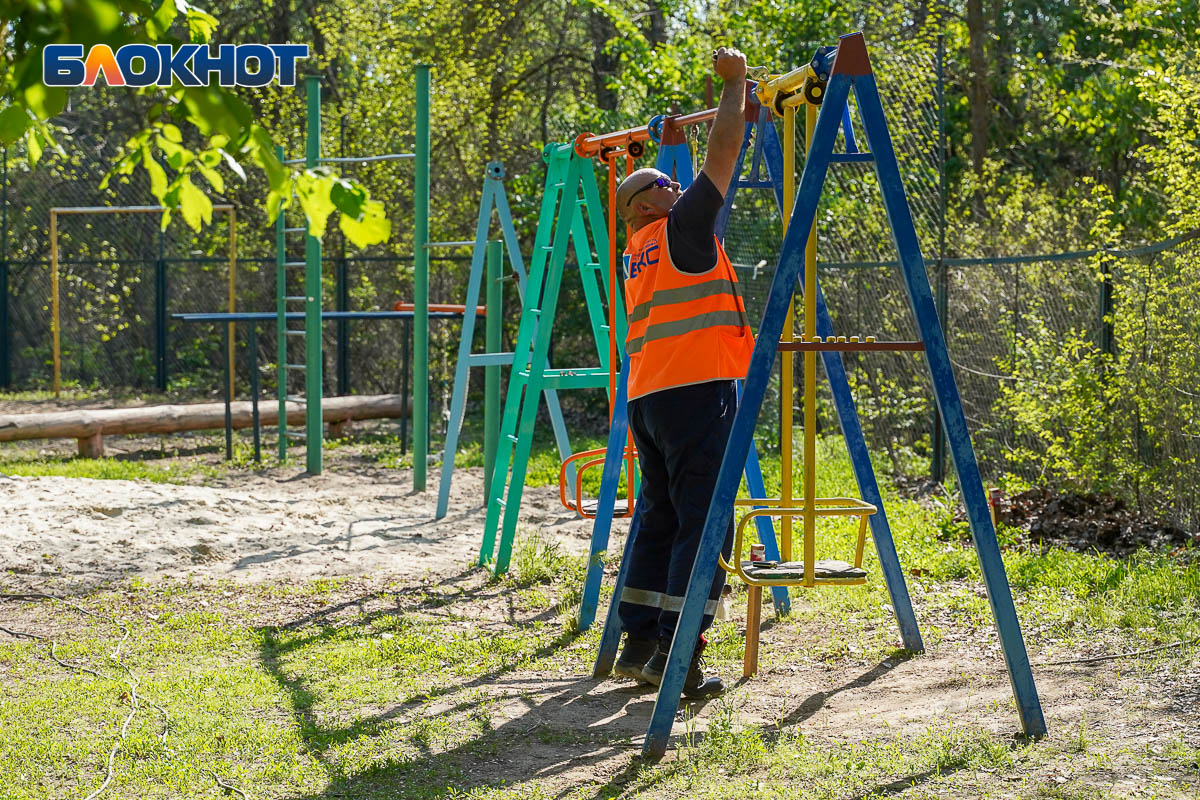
(494, 199)
(420, 414)
(565, 219)
(310, 297)
(849, 68)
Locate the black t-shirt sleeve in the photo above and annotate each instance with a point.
(690, 224)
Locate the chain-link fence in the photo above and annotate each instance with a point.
(1035, 356)
(123, 280)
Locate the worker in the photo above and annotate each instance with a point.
(688, 341)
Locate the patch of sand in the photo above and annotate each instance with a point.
(76, 532)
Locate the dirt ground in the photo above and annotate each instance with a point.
(280, 525)
(69, 534)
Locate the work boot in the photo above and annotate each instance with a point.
(634, 656)
(695, 686)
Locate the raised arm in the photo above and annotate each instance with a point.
(725, 138)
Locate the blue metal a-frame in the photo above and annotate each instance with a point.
(761, 143)
(848, 67)
(494, 199)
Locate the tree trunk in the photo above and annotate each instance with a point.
(89, 424)
(605, 65)
(977, 86)
(656, 24)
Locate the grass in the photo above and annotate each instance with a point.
(452, 688)
(468, 686)
(97, 468)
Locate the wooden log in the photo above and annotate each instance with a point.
(91, 446)
(91, 424)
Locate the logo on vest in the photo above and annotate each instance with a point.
(646, 257)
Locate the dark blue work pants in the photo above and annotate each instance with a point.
(680, 435)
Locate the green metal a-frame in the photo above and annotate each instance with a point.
(303, 289)
(494, 199)
(570, 210)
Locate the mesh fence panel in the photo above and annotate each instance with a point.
(853, 234)
(1020, 335)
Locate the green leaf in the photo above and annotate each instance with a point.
(177, 156)
(194, 205)
(313, 190)
(172, 132)
(348, 197)
(160, 22)
(158, 176)
(200, 25)
(213, 110)
(13, 122)
(45, 101)
(34, 143)
(371, 228)
(212, 176)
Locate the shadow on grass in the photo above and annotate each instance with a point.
(505, 727)
(552, 725)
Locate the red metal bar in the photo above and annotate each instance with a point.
(695, 118)
(589, 144)
(444, 307)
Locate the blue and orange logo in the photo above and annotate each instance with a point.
(162, 65)
(646, 257)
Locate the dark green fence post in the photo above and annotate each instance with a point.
(420, 416)
(342, 291)
(938, 465)
(1106, 306)
(5, 371)
(160, 318)
(343, 332)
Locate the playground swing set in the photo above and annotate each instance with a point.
(822, 87)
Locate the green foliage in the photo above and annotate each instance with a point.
(224, 121)
(1121, 422)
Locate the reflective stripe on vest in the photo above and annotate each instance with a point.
(682, 294)
(662, 330)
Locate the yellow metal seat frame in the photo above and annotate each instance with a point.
(783, 94)
(825, 507)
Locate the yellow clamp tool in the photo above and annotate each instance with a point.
(801, 86)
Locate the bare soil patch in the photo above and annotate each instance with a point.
(278, 525)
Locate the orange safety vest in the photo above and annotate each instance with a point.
(684, 327)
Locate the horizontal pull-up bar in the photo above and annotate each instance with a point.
(354, 159)
(264, 316)
(590, 144)
(120, 209)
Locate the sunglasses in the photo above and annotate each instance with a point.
(661, 182)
